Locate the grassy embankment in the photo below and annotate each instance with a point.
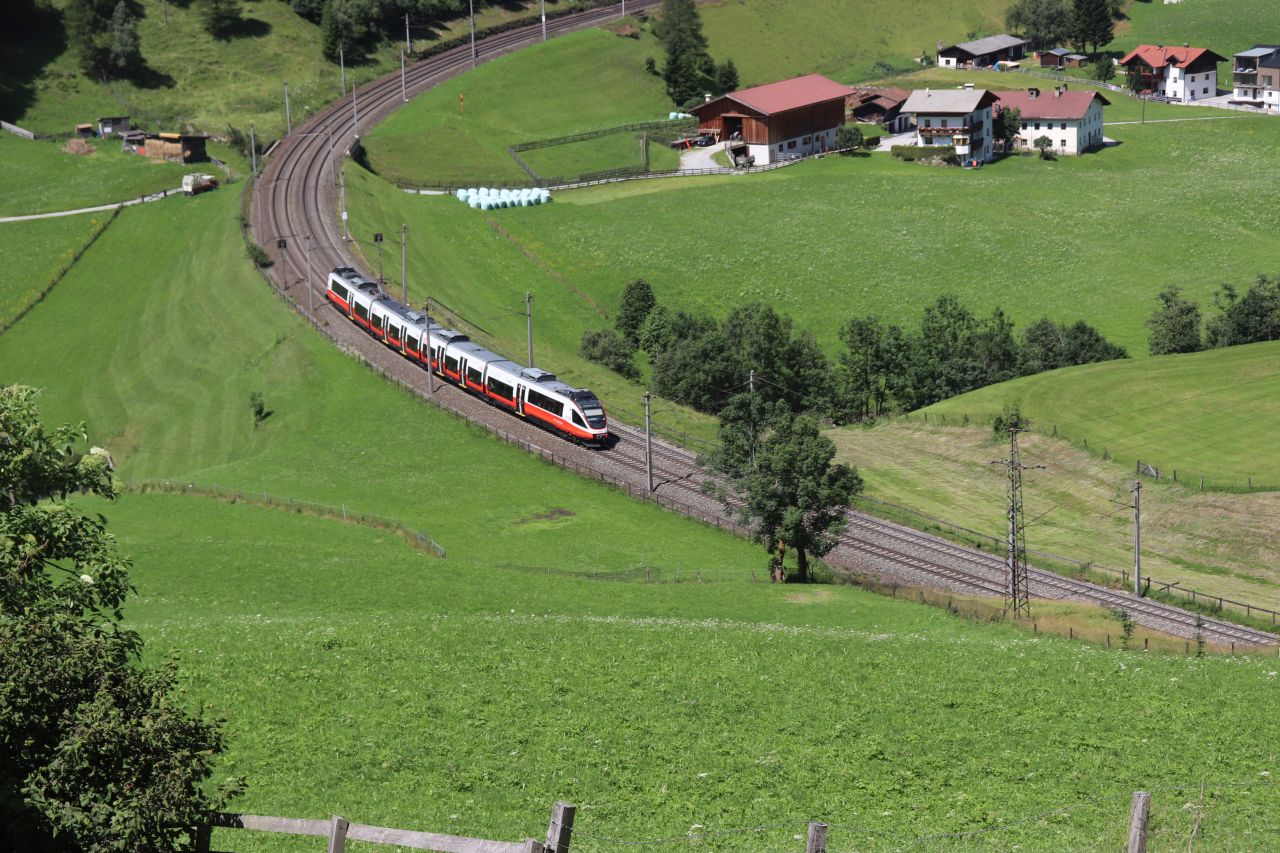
(34, 252)
(536, 93)
(363, 678)
(191, 79)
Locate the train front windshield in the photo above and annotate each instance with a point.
(593, 410)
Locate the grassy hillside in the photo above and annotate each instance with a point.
(454, 696)
(190, 79)
(773, 39)
(1205, 414)
(37, 177)
(34, 252)
(531, 94)
(1208, 541)
(163, 377)
(1226, 26)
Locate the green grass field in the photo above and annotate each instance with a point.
(773, 39)
(1225, 26)
(1207, 414)
(194, 80)
(1207, 541)
(38, 177)
(613, 151)
(519, 98)
(362, 678)
(34, 252)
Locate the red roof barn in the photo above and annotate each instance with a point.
(789, 118)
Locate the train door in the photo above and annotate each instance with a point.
(520, 398)
(462, 372)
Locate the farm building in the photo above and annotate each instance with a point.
(1071, 120)
(959, 117)
(1060, 57)
(177, 147)
(879, 105)
(113, 125)
(1181, 74)
(983, 52)
(789, 118)
(1255, 77)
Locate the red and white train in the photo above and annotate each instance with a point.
(527, 392)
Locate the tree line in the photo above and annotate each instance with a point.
(883, 367)
(1177, 324)
(1053, 23)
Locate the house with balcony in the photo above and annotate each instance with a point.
(1255, 77)
(1072, 120)
(959, 117)
(1183, 74)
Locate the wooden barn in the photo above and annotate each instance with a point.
(776, 121)
(177, 147)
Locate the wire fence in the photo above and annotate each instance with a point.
(417, 539)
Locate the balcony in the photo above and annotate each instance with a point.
(944, 131)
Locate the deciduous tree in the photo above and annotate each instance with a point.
(1175, 325)
(96, 753)
(633, 308)
(1044, 23)
(848, 139)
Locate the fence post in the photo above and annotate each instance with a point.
(338, 834)
(560, 830)
(817, 838)
(1138, 817)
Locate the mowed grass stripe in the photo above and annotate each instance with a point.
(362, 678)
(34, 252)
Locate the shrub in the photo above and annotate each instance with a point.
(609, 348)
(913, 153)
(258, 255)
(849, 139)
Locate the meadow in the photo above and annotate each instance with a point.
(191, 79)
(363, 678)
(518, 98)
(34, 252)
(1225, 26)
(1078, 503)
(39, 177)
(602, 153)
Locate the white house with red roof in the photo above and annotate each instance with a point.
(1071, 119)
(1183, 74)
(778, 120)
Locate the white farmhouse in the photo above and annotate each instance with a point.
(1071, 120)
(1182, 74)
(959, 117)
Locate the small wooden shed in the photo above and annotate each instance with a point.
(110, 125)
(176, 147)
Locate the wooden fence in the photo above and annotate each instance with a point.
(17, 131)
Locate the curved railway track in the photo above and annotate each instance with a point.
(296, 199)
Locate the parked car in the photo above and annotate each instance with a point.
(706, 140)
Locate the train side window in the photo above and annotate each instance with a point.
(341, 292)
(450, 363)
(362, 312)
(473, 375)
(393, 331)
(502, 389)
(577, 419)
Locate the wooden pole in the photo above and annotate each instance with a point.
(1139, 816)
(560, 830)
(817, 838)
(338, 834)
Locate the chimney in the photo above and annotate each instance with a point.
(1033, 92)
(706, 98)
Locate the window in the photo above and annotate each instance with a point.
(1204, 91)
(805, 140)
(1064, 145)
(1037, 125)
(1266, 80)
(542, 401)
(501, 389)
(577, 418)
(393, 331)
(474, 376)
(1064, 126)
(791, 144)
(377, 323)
(945, 123)
(450, 364)
(340, 291)
(928, 122)
(1024, 125)
(362, 312)
(413, 344)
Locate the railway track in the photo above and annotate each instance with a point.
(296, 199)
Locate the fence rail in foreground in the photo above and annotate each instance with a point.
(419, 540)
(17, 131)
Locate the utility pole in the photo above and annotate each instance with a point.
(311, 291)
(288, 118)
(1137, 538)
(426, 342)
(472, 4)
(408, 45)
(377, 241)
(544, 19)
(751, 413)
(342, 66)
(342, 196)
(253, 151)
(403, 94)
(648, 444)
(404, 263)
(355, 112)
(528, 319)
(1018, 595)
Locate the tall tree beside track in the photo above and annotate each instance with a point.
(689, 68)
(96, 753)
(781, 465)
(1175, 325)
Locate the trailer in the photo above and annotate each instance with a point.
(192, 184)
